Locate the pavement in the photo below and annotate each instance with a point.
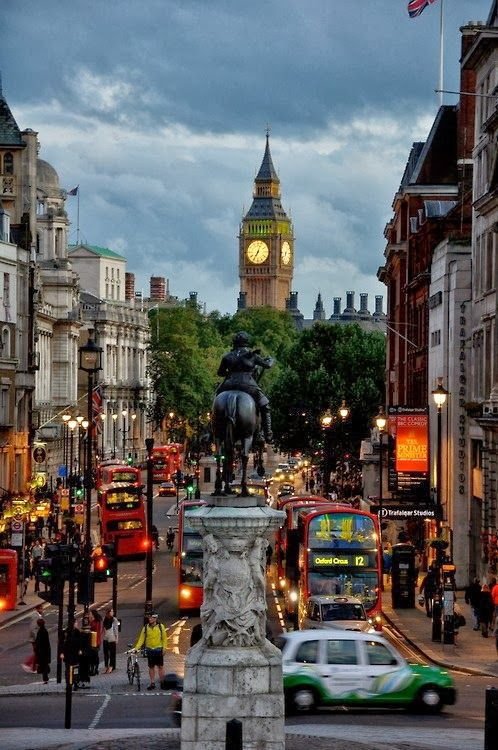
(471, 654)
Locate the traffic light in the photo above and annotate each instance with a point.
(129, 460)
(104, 563)
(78, 493)
(86, 589)
(49, 572)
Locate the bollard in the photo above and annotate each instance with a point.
(234, 735)
(491, 719)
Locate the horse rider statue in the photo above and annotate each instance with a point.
(238, 367)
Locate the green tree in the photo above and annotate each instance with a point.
(327, 363)
(185, 351)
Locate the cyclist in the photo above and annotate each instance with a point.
(154, 638)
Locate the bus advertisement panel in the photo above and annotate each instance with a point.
(190, 559)
(122, 519)
(166, 461)
(339, 553)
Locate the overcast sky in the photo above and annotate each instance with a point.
(158, 111)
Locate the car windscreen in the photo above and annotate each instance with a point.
(342, 611)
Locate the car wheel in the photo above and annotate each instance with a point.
(300, 700)
(429, 699)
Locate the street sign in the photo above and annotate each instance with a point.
(62, 471)
(16, 540)
(16, 525)
(39, 454)
(79, 509)
(64, 492)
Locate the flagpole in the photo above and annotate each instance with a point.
(441, 54)
(78, 219)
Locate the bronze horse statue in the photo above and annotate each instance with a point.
(235, 423)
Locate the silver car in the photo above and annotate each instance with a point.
(342, 612)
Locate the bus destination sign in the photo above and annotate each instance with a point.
(340, 560)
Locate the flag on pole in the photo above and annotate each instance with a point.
(74, 191)
(97, 406)
(416, 7)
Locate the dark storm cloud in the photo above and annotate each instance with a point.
(158, 110)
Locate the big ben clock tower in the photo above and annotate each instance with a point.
(266, 243)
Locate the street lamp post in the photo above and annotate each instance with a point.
(79, 420)
(381, 422)
(114, 419)
(65, 444)
(439, 395)
(133, 420)
(326, 422)
(344, 414)
(72, 424)
(149, 445)
(124, 413)
(90, 361)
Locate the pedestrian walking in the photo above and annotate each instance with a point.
(170, 538)
(428, 588)
(95, 627)
(155, 536)
(494, 596)
(110, 637)
(154, 638)
(472, 598)
(43, 654)
(486, 610)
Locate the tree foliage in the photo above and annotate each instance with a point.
(327, 363)
(314, 369)
(185, 351)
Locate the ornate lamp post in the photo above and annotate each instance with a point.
(90, 361)
(381, 422)
(65, 444)
(326, 421)
(439, 394)
(72, 424)
(79, 420)
(133, 420)
(124, 414)
(114, 419)
(344, 414)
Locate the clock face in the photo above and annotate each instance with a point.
(285, 253)
(258, 252)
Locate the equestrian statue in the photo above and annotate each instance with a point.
(240, 411)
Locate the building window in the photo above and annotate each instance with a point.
(6, 289)
(8, 163)
(435, 338)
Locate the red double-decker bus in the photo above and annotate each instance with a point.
(189, 560)
(290, 504)
(338, 552)
(166, 461)
(122, 515)
(118, 471)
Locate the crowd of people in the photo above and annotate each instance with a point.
(483, 601)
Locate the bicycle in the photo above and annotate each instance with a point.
(133, 666)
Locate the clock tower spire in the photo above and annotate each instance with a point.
(266, 243)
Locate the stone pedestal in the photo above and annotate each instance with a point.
(233, 672)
